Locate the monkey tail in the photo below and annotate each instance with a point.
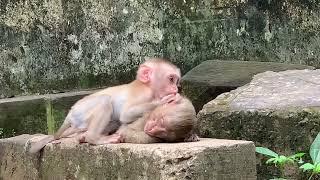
(34, 147)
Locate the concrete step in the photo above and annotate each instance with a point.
(207, 159)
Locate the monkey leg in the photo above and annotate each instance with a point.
(104, 139)
(100, 120)
(82, 112)
(114, 138)
(111, 139)
(71, 132)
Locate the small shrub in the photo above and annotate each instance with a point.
(280, 161)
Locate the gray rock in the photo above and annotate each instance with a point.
(206, 159)
(212, 78)
(278, 110)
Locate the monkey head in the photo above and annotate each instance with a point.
(172, 121)
(161, 75)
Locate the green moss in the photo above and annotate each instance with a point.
(50, 117)
(285, 132)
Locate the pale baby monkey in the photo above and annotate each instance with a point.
(103, 112)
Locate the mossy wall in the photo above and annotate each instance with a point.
(60, 45)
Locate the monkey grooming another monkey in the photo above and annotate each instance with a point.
(171, 122)
(104, 111)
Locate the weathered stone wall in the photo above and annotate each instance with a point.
(261, 30)
(59, 45)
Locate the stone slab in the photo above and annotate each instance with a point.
(207, 159)
(214, 77)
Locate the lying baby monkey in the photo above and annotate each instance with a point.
(171, 122)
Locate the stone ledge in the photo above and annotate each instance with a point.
(36, 114)
(206, 159)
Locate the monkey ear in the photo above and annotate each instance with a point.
(144, 73)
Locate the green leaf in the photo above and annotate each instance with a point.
(282, 159)
(266, 151)
(300, 161)
(298, 155)
(317, 168)
(307, 166)
(315, 149)
(271, 160)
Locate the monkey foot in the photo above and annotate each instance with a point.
(112, 139)
(81, 139)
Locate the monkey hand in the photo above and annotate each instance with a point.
(170, 99)
(176, 98)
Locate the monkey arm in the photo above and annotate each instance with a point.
(130, 114)
(139, 137)
(130, 135)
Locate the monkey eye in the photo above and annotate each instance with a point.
(171, 79)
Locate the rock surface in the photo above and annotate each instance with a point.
(278, 110)
(57, 46)
(214, 77)
(206, 159)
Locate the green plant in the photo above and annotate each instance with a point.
(279, 160)
(315, 156)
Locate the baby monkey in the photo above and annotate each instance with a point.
(102, 113)
(171, 122)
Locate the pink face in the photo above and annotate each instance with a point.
(156, 126)
(166, 81)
